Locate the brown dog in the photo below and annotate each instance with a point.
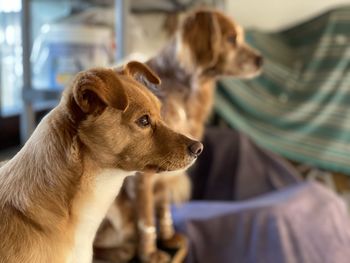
(207, 45)
(55, 192)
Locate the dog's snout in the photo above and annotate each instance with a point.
(259, 60)
(195, 148)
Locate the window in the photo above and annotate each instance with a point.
(10, 57)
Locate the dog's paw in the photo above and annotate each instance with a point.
(158, 257)
(177, 241)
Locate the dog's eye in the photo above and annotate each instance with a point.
(144, 121)
(232, 39)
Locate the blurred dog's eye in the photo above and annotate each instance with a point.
(232, 39)
(144, 121)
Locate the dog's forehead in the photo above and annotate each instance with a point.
(140, 94)
(228, 25)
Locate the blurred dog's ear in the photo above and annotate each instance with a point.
(96, 89)
(139, 70)
(200, 33)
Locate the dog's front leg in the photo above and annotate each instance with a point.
(169, 238)
(145, 201)
(166, 226)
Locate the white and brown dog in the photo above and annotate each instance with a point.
(207, 45)
(56, 190)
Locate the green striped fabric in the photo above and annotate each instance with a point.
(300, 106)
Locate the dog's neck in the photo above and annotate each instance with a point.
(55, 187)
(43, 173)
(168, 64)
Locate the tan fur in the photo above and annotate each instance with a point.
(207, 45)
(92, 139)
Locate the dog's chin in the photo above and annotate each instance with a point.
(248, 75)
(168, 170)
(251, 73)
(247, 71)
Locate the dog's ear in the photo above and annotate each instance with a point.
(96, 89)
(200, 33)
(139, 70)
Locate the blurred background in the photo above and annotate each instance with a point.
(295, 114)
(43, 43)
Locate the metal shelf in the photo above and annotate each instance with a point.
(30, 95)
(27, 119)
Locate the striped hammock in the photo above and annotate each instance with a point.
(300, 106)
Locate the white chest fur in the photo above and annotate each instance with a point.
(91, 214)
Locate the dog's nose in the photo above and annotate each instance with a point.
(195, 149)
(259, 61)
